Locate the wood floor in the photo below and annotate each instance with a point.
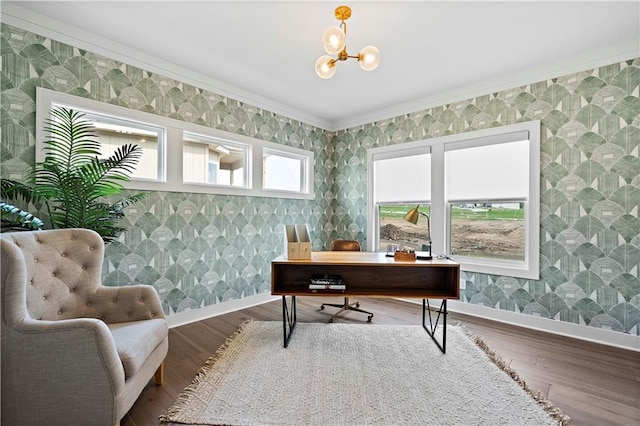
(591, 383)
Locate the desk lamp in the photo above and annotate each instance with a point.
(412, 216)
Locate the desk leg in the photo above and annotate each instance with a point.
(288, 317)
(431, 330)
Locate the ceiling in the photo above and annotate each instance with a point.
(263, 52)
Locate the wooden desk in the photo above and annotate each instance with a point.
(368, 274)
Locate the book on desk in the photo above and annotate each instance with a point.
(327, 284)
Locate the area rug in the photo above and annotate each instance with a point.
(355, 374)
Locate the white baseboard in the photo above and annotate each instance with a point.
(186, 317)
(576, 331)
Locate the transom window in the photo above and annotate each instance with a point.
(283, 171)
(214, 161)
(185, 157)
(114, 132)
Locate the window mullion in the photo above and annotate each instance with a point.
(173, 169)
(258, 167)
(439, 217)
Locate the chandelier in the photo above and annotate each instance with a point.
(334, 40)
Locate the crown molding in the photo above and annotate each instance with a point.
(28, 20)
(626, 50)
(50, 28)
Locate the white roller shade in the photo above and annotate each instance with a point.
(490, 172)
(402, 179)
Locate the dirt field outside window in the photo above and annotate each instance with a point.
(496, 239)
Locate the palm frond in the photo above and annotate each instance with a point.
(13, 190)
(13, 217)
(72, 139)
(105, 176)
(128, 201)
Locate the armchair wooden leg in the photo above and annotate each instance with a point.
(158, 376)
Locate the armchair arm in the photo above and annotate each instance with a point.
(122, 304)
(68, 369)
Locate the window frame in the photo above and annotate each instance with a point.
(172, 177)
(111, 113)
(304, 179)
(139, 125)
(440, 206)
(210, 140)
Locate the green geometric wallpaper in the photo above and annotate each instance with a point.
(200, 249)
(590, 190)
(195, 249)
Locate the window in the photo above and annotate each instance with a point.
(494, 231)
(393, 229)
(185, 157)
(214, 161)
(487, 188)
(114, 127)
(402, 181)
(479, 189)
(283, 172)
(114, 132)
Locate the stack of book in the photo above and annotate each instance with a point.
(327, 284)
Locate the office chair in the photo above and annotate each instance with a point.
(346, 245)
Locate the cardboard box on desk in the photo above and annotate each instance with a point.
(297, 243)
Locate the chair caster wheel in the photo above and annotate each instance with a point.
(369, 318)
(357, 304)
(322, 308)
(330, 320)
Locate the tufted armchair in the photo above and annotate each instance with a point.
(73, 351)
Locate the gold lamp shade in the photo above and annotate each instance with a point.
(413, 215)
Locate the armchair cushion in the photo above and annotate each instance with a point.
(136, 340)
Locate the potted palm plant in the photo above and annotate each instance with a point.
(73, 186)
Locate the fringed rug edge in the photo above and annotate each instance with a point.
(181, 400)
(555, 412)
